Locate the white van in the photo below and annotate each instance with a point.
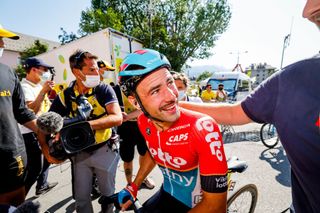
(236, 84)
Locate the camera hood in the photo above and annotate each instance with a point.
(77, 137)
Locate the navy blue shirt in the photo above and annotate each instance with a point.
(290, 100)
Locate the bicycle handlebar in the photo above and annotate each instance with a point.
(113, 199)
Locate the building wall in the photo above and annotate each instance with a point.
(10, 58)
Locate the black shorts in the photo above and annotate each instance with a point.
(163, 202)
(12, 169)
(131, 136)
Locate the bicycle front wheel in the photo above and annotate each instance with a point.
(244, 200)
(269, 135)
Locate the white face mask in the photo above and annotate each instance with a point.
(182, 95)
(45, 76)
(105, 75)
(1, 52)
(91, 81)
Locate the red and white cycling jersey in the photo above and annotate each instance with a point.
(191, 148)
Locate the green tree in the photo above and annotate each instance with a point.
(204, 75)
(66, 38)
(36, 49)
(180, 29)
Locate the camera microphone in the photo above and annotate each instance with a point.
(50, 122)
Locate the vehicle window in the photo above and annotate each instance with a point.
(244, 86)
(229, 84)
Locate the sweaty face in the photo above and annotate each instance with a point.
(312, 11)
(158, 95)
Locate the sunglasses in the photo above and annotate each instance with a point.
(78, 59)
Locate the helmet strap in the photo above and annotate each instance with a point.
(144, 110)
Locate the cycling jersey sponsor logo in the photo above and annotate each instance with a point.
(148, 131)
(221, 182)
(178, 128)
(176, 162)
(178, 138)
(211, 137)
(177, 177)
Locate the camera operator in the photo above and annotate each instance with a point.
(104, 114)
(35, 86)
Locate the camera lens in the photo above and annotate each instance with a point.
(77, 137)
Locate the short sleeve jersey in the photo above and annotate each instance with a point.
(290, 100)
(190, 151)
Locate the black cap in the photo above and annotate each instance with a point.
(35, 62)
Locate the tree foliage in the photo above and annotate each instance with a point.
(36, 49)
(204, 75)
(180, 29)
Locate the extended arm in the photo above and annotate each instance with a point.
(231, 114)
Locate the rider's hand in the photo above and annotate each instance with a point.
(129, 192)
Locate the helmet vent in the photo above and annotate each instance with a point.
(135, 67)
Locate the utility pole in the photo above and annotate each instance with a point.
(286, 42)
(150, 11)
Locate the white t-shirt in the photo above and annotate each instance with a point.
(194, 99)
(31, 92)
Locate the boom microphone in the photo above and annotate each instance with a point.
(50, 122)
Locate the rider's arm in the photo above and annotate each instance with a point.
(211, 202)
(231, 114)
(146, 166)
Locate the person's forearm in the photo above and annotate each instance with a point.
(134, 114)
(106, 122)
(146, 166)
(32, 125)
(36, 104)
(231, 114)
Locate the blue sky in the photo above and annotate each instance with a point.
(257, 26)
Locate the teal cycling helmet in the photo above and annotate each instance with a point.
(136, 66)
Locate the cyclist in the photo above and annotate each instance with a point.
(295, 112)
(187, 146)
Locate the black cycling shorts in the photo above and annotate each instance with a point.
(130, 134)
(12, 169)
(163, 202)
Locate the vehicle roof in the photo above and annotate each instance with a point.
(228, 75)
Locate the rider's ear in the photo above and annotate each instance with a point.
(133, 101)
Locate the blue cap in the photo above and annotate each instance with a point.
(35, 62)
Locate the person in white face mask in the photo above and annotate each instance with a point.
(35, 87)
(105, 113)
(182, 82)
(104, 69)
